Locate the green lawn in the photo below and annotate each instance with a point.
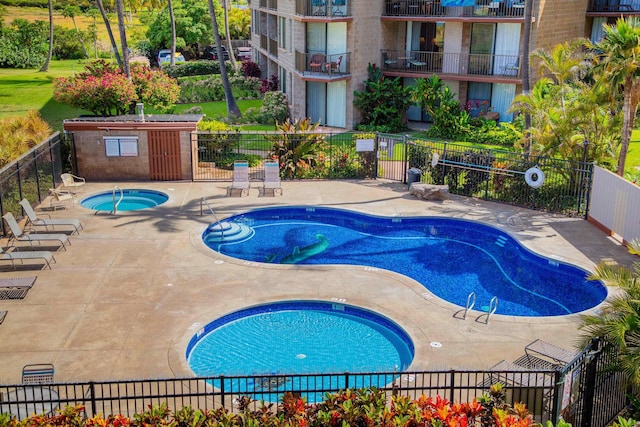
(24, 90)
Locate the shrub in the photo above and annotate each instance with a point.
(105, 90)
(67, 43)
(275, 108)
(270, 85)
(195, 68)
(155, 88)
(297, 147)
(209, 88)
(21, 133)
(23, 44)
(251, 69)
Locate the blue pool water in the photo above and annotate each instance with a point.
(299, 337)
(449, 257)
(133, 200)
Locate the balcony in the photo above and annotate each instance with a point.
(475, 67)
(269, 4)
(324, 8)
(269, 45)
(613, 7)
(323, 66)
(433, 8)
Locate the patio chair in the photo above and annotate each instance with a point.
(40, 373)
(15, 255)
(60, 198)
(240, 178)
(334, 67)
(319, 7)
(19, 235)
(72, 182)
(34, 220)
(316, 61)
(338, 7)
(3, 314)
(16, 287)
(558, 356)
(272, 179)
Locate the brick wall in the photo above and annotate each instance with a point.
(558, 21)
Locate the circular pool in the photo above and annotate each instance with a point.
(298, 338)
(132, 200)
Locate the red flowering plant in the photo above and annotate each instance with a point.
(103, 89)
(155, 88)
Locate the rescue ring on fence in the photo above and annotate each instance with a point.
(434, 160)
(534, 177)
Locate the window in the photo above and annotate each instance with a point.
(478, 98)
(282, 32)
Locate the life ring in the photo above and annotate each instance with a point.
(434, 160)
(530, 174)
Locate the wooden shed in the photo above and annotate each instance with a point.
(133, 147)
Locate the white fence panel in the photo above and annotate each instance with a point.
(615, 204)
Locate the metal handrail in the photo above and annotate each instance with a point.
(493, 306)
(471, 301)
(204, 202)
(116, 204)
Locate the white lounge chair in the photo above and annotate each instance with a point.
(240, 178)
(14, 256)
(19, 235)
(72, 182)
(272, 179)
(60, 198)
(34, 220)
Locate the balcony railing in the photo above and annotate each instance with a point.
(451, 63)
(615, 6)
(323, 65)
(324, 8)
(482, 8)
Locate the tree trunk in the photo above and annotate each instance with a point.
(45, 66)
(172, 18)
(232, 107)
(105, 18)
(526, 67)
(84, 48)
(628, 114)
(123, 38)
(232, 56)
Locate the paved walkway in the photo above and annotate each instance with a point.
(125, 298)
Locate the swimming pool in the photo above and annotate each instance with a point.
(133, 200)
(297, 338)
(449, 257)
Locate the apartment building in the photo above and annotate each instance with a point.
(320, 49)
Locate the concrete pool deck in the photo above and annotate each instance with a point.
(127, 295)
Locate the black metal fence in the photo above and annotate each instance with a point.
(494, 175)
(313, 155)
(585, 393)
(31, 176)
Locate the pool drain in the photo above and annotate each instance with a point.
(436, 344)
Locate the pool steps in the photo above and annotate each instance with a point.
(228, 232)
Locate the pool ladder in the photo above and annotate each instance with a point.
(203, 202)
(116, 204)
(471, 301)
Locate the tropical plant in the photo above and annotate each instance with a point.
(21, 133)
(297, 146)
(618, 322)
(383, 102)
(620, 68)
(71, 11)
(105, 19)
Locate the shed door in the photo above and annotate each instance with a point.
(164, 155)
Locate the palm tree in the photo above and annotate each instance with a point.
(45, 66)
(172, 19)
(105, 18)
(70, 11)
(525, 65)
(123, 38)
(619, 320)
(232, 56)
(620, 68)
(232, 107)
